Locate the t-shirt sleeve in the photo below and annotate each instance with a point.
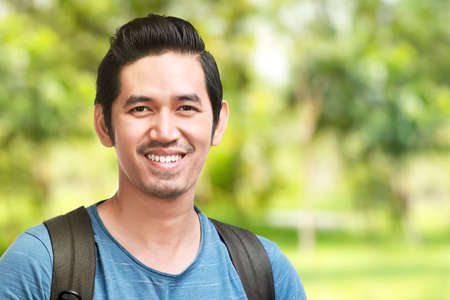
(26, 266)
(286, 280)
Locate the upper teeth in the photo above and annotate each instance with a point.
(164, 159)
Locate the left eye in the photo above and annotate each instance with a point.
(186, 108)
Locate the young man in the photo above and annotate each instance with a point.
(159, 103)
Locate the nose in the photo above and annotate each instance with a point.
(163, 128)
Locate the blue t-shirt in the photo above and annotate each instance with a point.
(26, 270)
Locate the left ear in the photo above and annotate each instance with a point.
(221, 124)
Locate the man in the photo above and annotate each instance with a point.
(159, 103)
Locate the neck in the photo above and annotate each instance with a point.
(149, 217)
(169, 229)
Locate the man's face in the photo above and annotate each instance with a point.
(162, 124)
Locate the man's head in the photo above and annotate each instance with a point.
(153, 34)
(159, 103)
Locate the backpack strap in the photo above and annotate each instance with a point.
(250, 260)
(73, 255)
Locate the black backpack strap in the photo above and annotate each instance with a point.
(73, 255)
(250, 260)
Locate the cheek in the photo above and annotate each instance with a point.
(127, 136)
(199, 131)
(127, 129)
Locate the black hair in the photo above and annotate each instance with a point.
(153, 34)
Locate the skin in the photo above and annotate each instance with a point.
(163, 109)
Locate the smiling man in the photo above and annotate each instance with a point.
(159, 104)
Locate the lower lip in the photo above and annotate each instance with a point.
(165, 166)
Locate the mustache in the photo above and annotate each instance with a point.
(141, 149)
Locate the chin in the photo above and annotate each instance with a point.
(164, 191)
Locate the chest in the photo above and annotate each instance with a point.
(119, 275)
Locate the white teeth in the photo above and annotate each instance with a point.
(164, 159)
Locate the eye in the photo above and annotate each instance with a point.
(187, 108)
(139, 109)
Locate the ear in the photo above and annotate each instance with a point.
(221, 124)
(100, 126)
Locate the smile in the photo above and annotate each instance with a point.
(164, 158)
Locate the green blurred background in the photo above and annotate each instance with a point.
(338, 146)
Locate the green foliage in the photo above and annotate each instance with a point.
(335, 105)
(348, 267)
(331, 103)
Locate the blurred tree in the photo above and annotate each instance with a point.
(375, 75)
(49, 51)
(371, 74)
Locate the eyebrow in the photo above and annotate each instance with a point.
(132, 100)
(189, 97)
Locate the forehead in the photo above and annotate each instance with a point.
(163, 75)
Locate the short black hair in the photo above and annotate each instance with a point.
(153, 34)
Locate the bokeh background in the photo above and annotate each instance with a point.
(338, 146)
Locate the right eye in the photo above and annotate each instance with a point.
(139, 109)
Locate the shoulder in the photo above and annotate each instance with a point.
(26, 266)
(286, 280)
